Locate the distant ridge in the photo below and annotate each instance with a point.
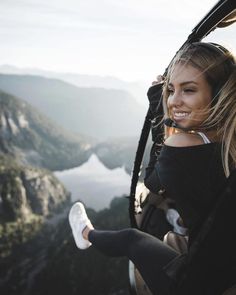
(96, 112)
(137, 89)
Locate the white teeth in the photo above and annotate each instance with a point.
(181, 114)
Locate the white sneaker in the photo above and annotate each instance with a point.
(172, 216)
(78, 221)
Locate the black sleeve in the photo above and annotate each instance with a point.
(151, 179)
(154, 95)
(155, 105)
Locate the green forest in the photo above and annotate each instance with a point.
(44, 259)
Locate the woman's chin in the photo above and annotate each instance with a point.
(184, 124)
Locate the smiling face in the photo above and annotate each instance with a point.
(189, 96)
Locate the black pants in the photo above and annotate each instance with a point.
(148, 254)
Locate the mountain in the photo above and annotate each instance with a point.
(97, 112)
(29, 195)
(36, 245)
(32, 138)
(138, 89)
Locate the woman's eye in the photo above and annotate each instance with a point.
(189, 90)
(170, 90)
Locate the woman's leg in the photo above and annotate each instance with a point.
(148, 253)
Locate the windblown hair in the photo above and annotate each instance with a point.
(218, 66)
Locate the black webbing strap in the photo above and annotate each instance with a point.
(137, 164)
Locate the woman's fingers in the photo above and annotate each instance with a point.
(159, 79)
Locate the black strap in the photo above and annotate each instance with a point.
(137, 164)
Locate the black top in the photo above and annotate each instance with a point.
(193, 176)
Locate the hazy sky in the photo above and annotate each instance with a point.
(129, 39)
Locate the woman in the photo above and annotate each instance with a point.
(199, 152)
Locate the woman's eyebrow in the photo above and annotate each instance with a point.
(184, 83)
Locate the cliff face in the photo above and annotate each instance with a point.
(29, 193)
(25, 191)
(29, 142)
(32, 138)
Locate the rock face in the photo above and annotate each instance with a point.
(29, 142)
(33, 139)
(25, 191)
(45, 193)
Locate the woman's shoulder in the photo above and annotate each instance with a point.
(184, 139)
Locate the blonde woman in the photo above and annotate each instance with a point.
(199, 153)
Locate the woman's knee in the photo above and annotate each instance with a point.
(132, 234)
(133, 240)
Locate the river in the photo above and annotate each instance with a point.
(94, 184)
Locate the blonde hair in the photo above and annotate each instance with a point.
(219, 68)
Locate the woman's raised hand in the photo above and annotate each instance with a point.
(159, 80)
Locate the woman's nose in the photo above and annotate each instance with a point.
(175, 99)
